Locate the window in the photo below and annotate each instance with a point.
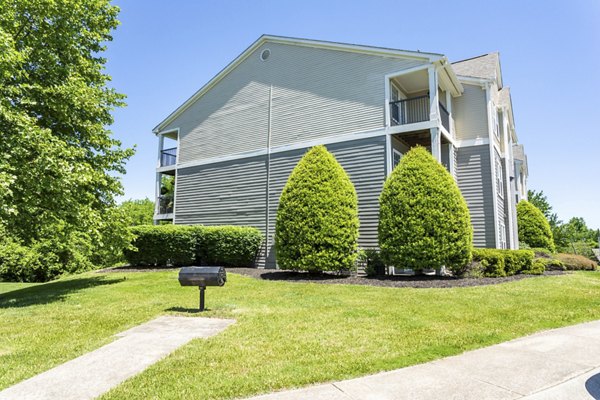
(495, 123)
(396, 157)
(499, 179)
(502, 235)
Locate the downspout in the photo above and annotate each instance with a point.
(267, 219)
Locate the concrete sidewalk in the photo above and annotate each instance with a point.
(94, 373)
(558, 364)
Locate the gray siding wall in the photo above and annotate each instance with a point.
(501, 197)
(235, 192)
(316, 93)
(470, 114)
(474, 176)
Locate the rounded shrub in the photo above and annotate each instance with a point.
(424, 221)
(534, 229)
(317, 221)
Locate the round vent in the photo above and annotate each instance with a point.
(265, 54)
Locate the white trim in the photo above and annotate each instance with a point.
(389, 166)
(418, 126)
(281, 149)
(470, 80)
(158, 217)
(292, 41)
(508, 162)
(488, 101)
(472, 142)
(406, 71)
(168, 168)
(447, 134)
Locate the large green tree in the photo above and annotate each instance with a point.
(138, 212)
(59, 165)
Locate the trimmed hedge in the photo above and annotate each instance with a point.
(162, 245)
(497, 263)
(317, 220)
(575, 262)
(424, 220)
(534, 229)
(177, 245)
(229, 246)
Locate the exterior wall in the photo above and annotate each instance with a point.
(470, 114)
(315, 93)
(235, 192)
(225, 193)
(500, 203)
(474, 175)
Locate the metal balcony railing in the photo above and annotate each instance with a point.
(168, 157)
(165, 204)
(415, 109)
(409, 111)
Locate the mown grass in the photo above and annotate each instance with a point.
(286, 335)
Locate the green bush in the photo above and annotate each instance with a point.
(229, 246)
(176, 245)
(551, 264)
(423, 220)
(516, 261)
(538, 266)
(492, 262)
(534, 229)
(574, 262)
(317, 220)
(162, 245)
(20, 264)
(371, 258)
(497, 263)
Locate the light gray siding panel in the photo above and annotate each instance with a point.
(474, 176)
(470, 113)
(226, 193)
(316, 93)
(363, 160)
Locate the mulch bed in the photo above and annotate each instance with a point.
(422, 281)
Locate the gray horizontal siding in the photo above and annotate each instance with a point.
(316, 93)
(470, 113)
(226, 193)
(474, 177)
(235, 192)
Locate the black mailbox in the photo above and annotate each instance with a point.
(202, 277)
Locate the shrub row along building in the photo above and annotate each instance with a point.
(232, 145)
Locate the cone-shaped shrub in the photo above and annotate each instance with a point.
(317, 219)
(534, 229)
(424, 221)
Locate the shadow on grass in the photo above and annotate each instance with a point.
(186, 310)
(51, 291)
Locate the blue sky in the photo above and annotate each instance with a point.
(550, 55)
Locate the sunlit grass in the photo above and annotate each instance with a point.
(286, 335)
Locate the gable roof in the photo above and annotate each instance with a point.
(372, 50)
(486, 66)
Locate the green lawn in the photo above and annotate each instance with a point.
(287, 334)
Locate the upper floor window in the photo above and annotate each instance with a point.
(396, 157)
(495, 121)
(499, 178)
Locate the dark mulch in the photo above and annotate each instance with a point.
(421, 281)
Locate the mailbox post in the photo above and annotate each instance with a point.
(202, 277)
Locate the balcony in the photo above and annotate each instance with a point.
(165, 204)
(168, 157)
(415, 109)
